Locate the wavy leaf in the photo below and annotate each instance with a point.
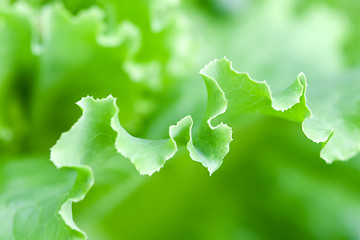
(247, 95)
(335, 120)
(92, 140)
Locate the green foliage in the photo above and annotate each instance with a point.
(32, 191)
(139, 62)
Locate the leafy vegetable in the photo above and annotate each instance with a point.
(335, 119)
(32, 191)
(139, 60)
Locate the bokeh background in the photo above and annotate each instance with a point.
(148, 54)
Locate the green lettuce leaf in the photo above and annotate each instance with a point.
(93, 50)
(92, 140)
(32, 191)
(88, 147)
(246, 95)
(335, 120)
(63, 65)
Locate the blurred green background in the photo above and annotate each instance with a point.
(148, 54)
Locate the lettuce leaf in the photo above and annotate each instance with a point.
(335, 117)
(32, 191)
(59, 56)
(93, 139)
